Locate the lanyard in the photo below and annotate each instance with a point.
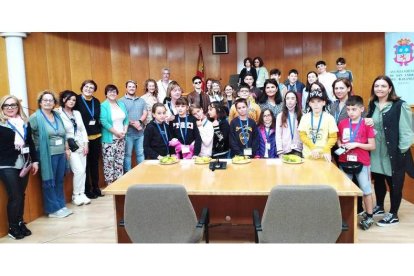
(170, 107)
(205, 122)
(164, 135)
(353, 134)
(75, 125)
(184, 136)
(245, 132)
(56, 126)
(291, 124)
(292, 87)
(18, 132)
(267, 133)
(92, 113)
(338, 113)
(314, 135)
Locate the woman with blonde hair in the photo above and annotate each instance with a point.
(174, 92)
(16, 145)
(150, 97)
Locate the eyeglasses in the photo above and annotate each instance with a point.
(197, 82)
(9, 106)
(48, 100)
(89, 87)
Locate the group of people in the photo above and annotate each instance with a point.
(259, 122)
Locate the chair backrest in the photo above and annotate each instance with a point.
(234, 80)
(160, 214)
(302, 214)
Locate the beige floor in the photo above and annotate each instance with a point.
(94, 223)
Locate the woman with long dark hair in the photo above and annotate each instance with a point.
(391, 158)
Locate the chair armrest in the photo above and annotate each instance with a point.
(204, 218)
(257, 225)
(345, 226)
(256, 220)
(203, 222)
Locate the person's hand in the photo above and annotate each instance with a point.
(369, 121)
(67, 153)
(327, 157)
(85, 149)
(199, 123)
(350, 146)
(315, 154)
(35, 168)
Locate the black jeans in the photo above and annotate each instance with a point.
(92, 165)
(16, 188)
(394, 186)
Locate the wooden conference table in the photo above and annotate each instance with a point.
(232, 194)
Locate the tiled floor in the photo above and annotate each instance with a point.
(95, 223)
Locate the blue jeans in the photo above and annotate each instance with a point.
(136, 143)
(54, 197)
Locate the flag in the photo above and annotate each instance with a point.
(200, 66)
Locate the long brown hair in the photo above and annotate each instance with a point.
(146, 86)
(285, 110)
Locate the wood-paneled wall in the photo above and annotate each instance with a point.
(59, 61)
(4, 82)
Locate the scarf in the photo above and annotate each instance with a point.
(18, 123)
(44, 149)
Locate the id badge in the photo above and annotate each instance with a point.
(185, 148)
(58, 142)
(268, 146)
(25, 150)
(346, 135)
(351, 157)
(247, 151)
(92, 122)
(293, 146)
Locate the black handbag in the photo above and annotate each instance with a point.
(352, 167)
(73, 146)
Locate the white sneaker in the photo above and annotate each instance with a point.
(85, 199)
(67, 211)
(77, 200)
(58, 214)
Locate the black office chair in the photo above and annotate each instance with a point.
(300, 214)
(163, 214)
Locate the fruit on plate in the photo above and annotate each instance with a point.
(292, 158)
(203, 159)
(240, 158)
(168, 159)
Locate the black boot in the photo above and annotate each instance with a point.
(23, 229)
(98, 192)
(15, 233)
(91, 195)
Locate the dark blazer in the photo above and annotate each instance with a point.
(86, 116)
(400, 162)
(8, 154)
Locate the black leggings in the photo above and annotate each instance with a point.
(394, 186)
(15, 187)
(92, 165)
